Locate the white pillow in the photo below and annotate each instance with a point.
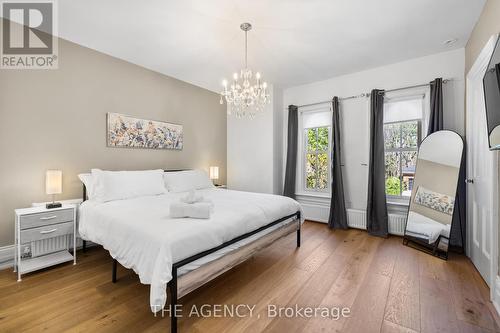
(182, 181)
(117, 185)
(87, 180)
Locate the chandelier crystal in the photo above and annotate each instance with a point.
(245, 95)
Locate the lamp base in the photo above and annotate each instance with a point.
(53, 205)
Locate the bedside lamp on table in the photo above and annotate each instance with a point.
(214, 174)
(53, 186)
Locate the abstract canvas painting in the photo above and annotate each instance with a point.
(131, 132)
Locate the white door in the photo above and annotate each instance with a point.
(481, 175)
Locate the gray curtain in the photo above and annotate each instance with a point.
(291, 153)
(376, 210)
(497, 69)
(436, 115)
(458, 227)
(338, 215)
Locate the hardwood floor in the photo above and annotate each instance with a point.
(388, 287)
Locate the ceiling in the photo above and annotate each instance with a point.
(293, 41)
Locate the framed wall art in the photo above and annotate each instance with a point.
(131, 132)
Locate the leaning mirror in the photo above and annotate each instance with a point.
(432, 200)
(491, 82)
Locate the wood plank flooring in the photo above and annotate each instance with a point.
(388, 287)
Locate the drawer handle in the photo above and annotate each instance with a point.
(48, 231)
(48, 217)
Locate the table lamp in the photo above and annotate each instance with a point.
(214, 173)
(53, 186)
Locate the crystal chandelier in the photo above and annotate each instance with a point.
(244, 97)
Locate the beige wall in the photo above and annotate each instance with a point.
(57, 119)
(488, 24)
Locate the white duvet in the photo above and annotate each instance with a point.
(424, 227)
(140, 234)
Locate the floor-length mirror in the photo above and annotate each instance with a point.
(432, 199)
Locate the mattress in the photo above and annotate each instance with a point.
(140, 234)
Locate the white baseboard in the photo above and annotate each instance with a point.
(496, 294)
(6, 256)
(7, 253)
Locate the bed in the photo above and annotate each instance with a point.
(426, 228)
(183, 254)
(423, 231)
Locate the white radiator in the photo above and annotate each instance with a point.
(397, 223)
(356, 218)
(50, 245)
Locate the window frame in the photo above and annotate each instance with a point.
(400, 150)
(306, 151)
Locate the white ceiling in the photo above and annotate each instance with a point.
(293, 41)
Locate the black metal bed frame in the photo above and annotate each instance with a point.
(172, 284)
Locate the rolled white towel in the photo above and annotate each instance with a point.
(192, 197)
(199, 210)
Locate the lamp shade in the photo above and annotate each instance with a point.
(214, 172)
(53, 182)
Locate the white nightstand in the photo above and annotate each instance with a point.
(43, 237)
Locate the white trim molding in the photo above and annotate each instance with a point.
(474, 81)
(496, 294)
(316, 208)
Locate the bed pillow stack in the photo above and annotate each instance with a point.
(119, 185)
(183, 181)
(104, 186)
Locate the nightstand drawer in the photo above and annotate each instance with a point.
(46, 218)
(45, 232)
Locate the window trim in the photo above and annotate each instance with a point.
(400, 150)
(306, 151)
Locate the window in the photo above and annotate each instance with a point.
(317, 158)
(402, 136)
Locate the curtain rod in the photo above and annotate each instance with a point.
(368, 94)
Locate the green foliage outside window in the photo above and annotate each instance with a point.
(392, 186)
(400, 140)
(317, 162)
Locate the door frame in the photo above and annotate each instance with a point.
(475, 81)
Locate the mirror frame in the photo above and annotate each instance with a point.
(419, 244)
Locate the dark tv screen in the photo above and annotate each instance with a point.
(491, 83)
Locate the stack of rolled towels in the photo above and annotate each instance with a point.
(192, 205)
